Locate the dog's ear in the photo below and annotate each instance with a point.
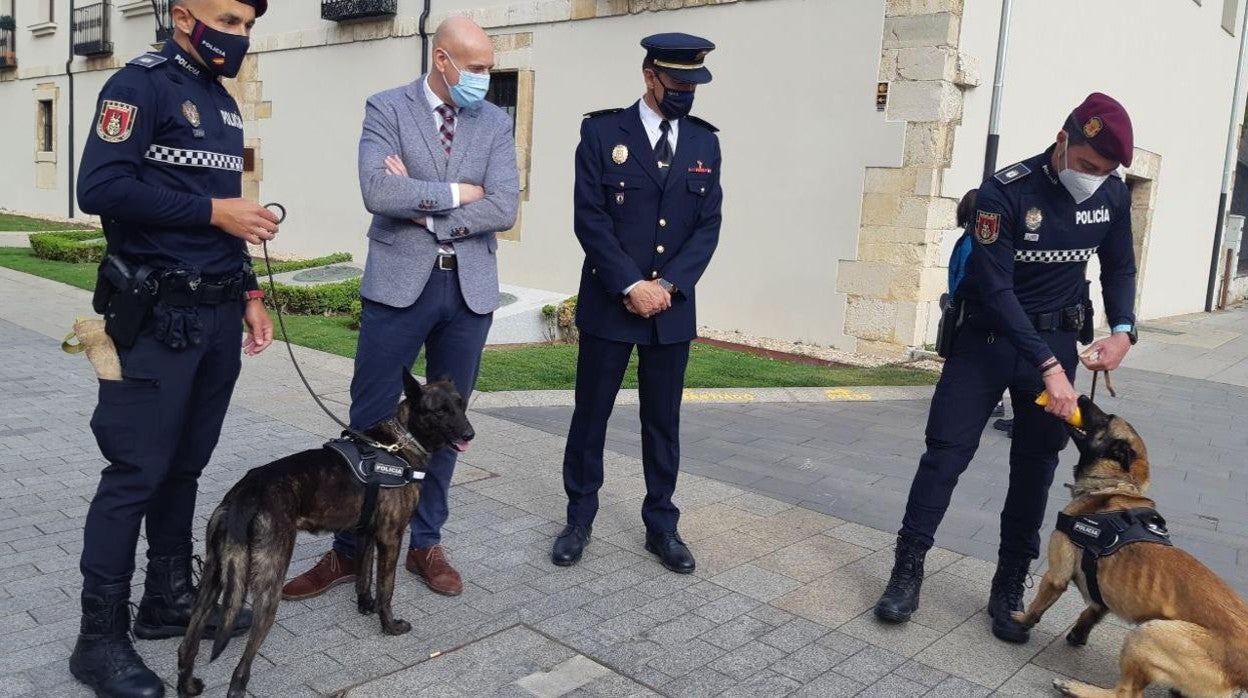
(411, 386)
(1121, 452)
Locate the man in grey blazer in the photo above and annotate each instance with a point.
(438, 172)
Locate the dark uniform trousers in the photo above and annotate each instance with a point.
(157, 428)
(390, 340)
(981, 366)
(600, 367)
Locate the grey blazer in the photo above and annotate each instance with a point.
(401, 254)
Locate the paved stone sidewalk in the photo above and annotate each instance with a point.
(779, 605)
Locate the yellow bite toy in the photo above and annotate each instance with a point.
(1075, 420)
(97, 344)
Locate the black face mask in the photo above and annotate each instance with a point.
(223, 53)
(676, 104)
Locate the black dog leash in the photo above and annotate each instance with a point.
(393, 448)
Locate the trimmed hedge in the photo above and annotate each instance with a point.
(281, 267)
(69, 246)
(330, 299)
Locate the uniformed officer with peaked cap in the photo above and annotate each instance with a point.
(1036, 225)
(647, 213)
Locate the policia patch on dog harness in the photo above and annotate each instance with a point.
(376, 470)
(1105, 533)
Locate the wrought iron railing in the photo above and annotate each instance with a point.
(92, 28)
(8, 54)
(346, 10)
(164, 20)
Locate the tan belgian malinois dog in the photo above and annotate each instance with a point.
(1192, 632)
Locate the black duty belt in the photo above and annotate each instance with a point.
(1065, 320)
(188, 288)
(446, 262)
(1104, 533)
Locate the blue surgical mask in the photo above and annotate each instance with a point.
(223, 53)
(471, 88)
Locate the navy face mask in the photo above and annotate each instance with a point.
(222, 52)
(676, 104)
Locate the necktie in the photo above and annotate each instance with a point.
(663, 149)
(447, 131)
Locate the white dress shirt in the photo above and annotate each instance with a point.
(651, 120)
(434, 102)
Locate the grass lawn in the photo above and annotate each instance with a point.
(540, 367)
(553, 367)
(12, 223)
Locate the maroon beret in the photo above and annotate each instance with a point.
(261, 6)
(1104, 123)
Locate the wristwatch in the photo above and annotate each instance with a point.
(668, 286)
(1129, 330)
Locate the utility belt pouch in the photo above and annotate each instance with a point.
(131, 299)
(952, 313)
(1086, 331)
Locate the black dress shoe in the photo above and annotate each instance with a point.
(672, 551)
(570, 544)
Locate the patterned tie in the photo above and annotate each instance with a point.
(663, 149)
(447, 132)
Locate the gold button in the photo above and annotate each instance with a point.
(660, 249)
(654, 274)
(702, 190)
(662, 222)
(621, 185)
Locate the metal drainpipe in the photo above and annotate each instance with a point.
(69, 62)
(424, 38)
(1228, 167)
(998, 86)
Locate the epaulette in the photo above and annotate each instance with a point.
(703, 122)
(603, 112)
(1013, 173)
(147, 60)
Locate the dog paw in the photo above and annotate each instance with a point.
(1066, 687)
(1074, 638)
(192, 687)
(398, 627)
(1020, 617)
(366, 604)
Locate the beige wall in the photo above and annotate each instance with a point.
(1173, 67)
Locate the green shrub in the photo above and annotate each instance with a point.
(357, 313)
(69, 246)
(329, 299)
(281, 267)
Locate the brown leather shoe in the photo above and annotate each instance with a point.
(332, 570)
(431, 565)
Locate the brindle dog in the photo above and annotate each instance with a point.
(251, 535)
(1193, 628)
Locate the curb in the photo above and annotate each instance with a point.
(718, 396)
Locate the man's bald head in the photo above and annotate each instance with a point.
(229, 16)
(459, 45)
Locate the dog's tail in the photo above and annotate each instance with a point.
(234, 559)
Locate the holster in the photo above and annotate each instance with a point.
(125, 296)
(952, 313)
(1086, 333)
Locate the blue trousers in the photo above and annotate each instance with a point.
(390, 340)
(600, 367)
(157, 428)
(981, 366)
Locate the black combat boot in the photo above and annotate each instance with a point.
(168, 599)
(901, 597)
(104, 658)
(1007, 597)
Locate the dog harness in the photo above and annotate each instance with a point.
(1104, 533)
(376, 469)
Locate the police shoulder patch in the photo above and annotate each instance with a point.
(116, 121)
(603, 112)
(987, 227)
(1013, 173)
(711, 127)
(147, 60)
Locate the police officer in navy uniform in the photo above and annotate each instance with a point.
(163, 169)
(1036, 225)
(647, 213)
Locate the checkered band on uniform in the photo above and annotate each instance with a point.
(1054, 256)
(194, 158)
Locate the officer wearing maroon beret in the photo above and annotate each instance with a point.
(1025, 306)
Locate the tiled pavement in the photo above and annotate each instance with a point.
(779, 605)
